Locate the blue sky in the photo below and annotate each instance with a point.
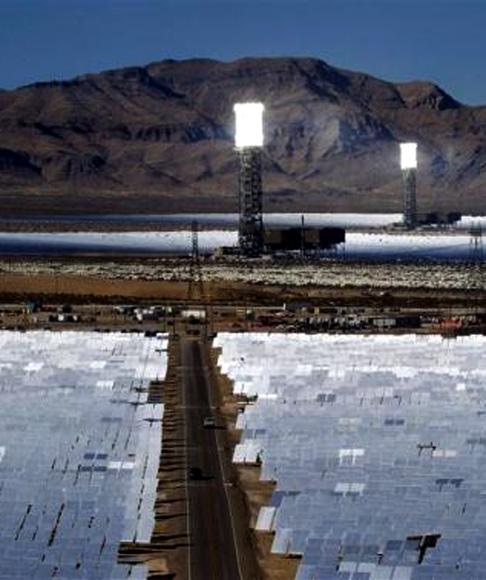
(439, 40)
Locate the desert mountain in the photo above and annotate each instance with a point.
(160, 138)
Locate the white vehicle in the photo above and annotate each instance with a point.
(209, 422)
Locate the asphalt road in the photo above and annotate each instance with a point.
(212, 553)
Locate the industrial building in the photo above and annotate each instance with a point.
(307, 239)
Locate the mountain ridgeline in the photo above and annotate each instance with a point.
(160, 138)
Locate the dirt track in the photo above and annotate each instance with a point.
(79, 289)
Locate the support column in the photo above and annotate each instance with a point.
(250, 233)
(410, 198)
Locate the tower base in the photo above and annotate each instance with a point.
(410, 198)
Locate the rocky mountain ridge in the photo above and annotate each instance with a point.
(160, 138)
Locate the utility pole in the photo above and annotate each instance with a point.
(302, 236)
(476, 250)
(195, 287)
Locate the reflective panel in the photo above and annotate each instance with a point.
(79, 451)
(377, 445)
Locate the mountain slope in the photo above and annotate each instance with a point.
(159, 138)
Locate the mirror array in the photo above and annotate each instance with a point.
(441, 246)
(79, 451)
(377, 445)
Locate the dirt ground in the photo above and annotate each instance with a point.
(166, 555)
(80, 289)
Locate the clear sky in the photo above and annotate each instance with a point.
(439, 40)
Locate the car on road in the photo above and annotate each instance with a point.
(195, 473)
(209, 422)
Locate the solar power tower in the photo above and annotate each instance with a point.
(409, 172)
(249, 144)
